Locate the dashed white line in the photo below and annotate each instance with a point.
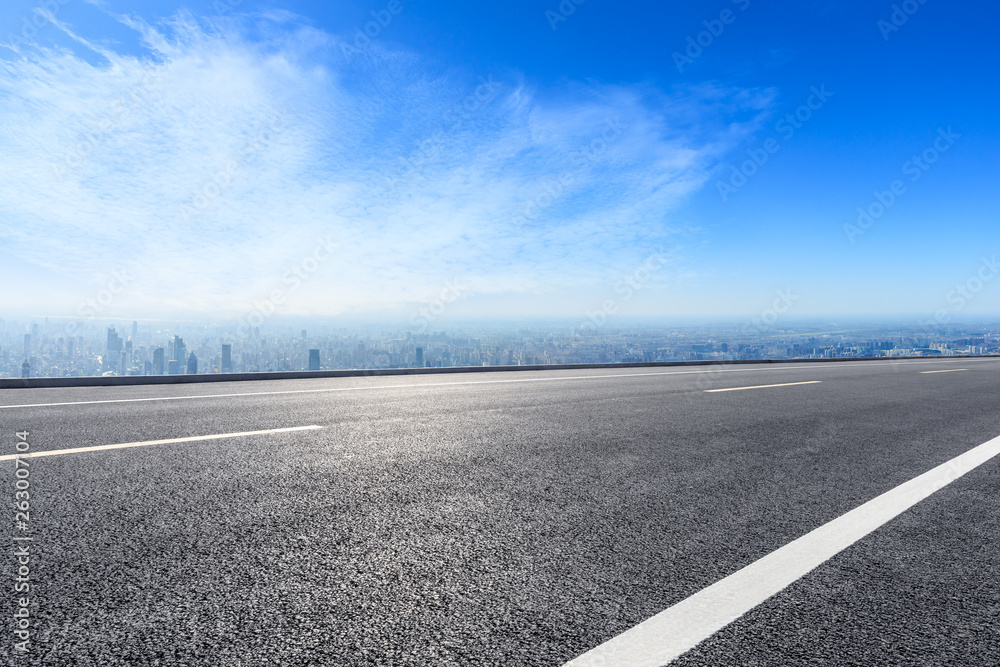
(950, 370)
(472, 382)
(147, 443)
(676, 630)
(762, 386)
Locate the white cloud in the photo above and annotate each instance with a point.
(211, 162)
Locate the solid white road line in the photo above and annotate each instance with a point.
(676, 630)
(950, 370)
(762, 386)
(147, 443)
(452, 384)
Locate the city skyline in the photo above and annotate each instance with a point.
(48, 350)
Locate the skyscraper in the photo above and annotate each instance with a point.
(227, 358)
(27, 344)
(420, 357)
(113, 359)
(192, 365)
(158, 361)
(26, 369)
(114, 342)
(179, 351)
(314, 360)
(135, 331)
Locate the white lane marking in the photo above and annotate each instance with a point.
(147, 443)
(676, 630)
(762, 386)
(950, 370)
(452, 384)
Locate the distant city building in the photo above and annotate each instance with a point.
(303, 334)
(114, 342)
(179, 349)
(135, 330)
(173, 367)
(314, 360)
(26, 369)
(89, 354)
(192, 365)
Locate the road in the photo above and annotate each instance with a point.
(504, 519)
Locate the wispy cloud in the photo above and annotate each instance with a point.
(213, 159)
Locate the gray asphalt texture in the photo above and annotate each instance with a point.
(514, 519)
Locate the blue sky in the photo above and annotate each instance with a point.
(215, 158)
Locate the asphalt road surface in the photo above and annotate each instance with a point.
(502, 519)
